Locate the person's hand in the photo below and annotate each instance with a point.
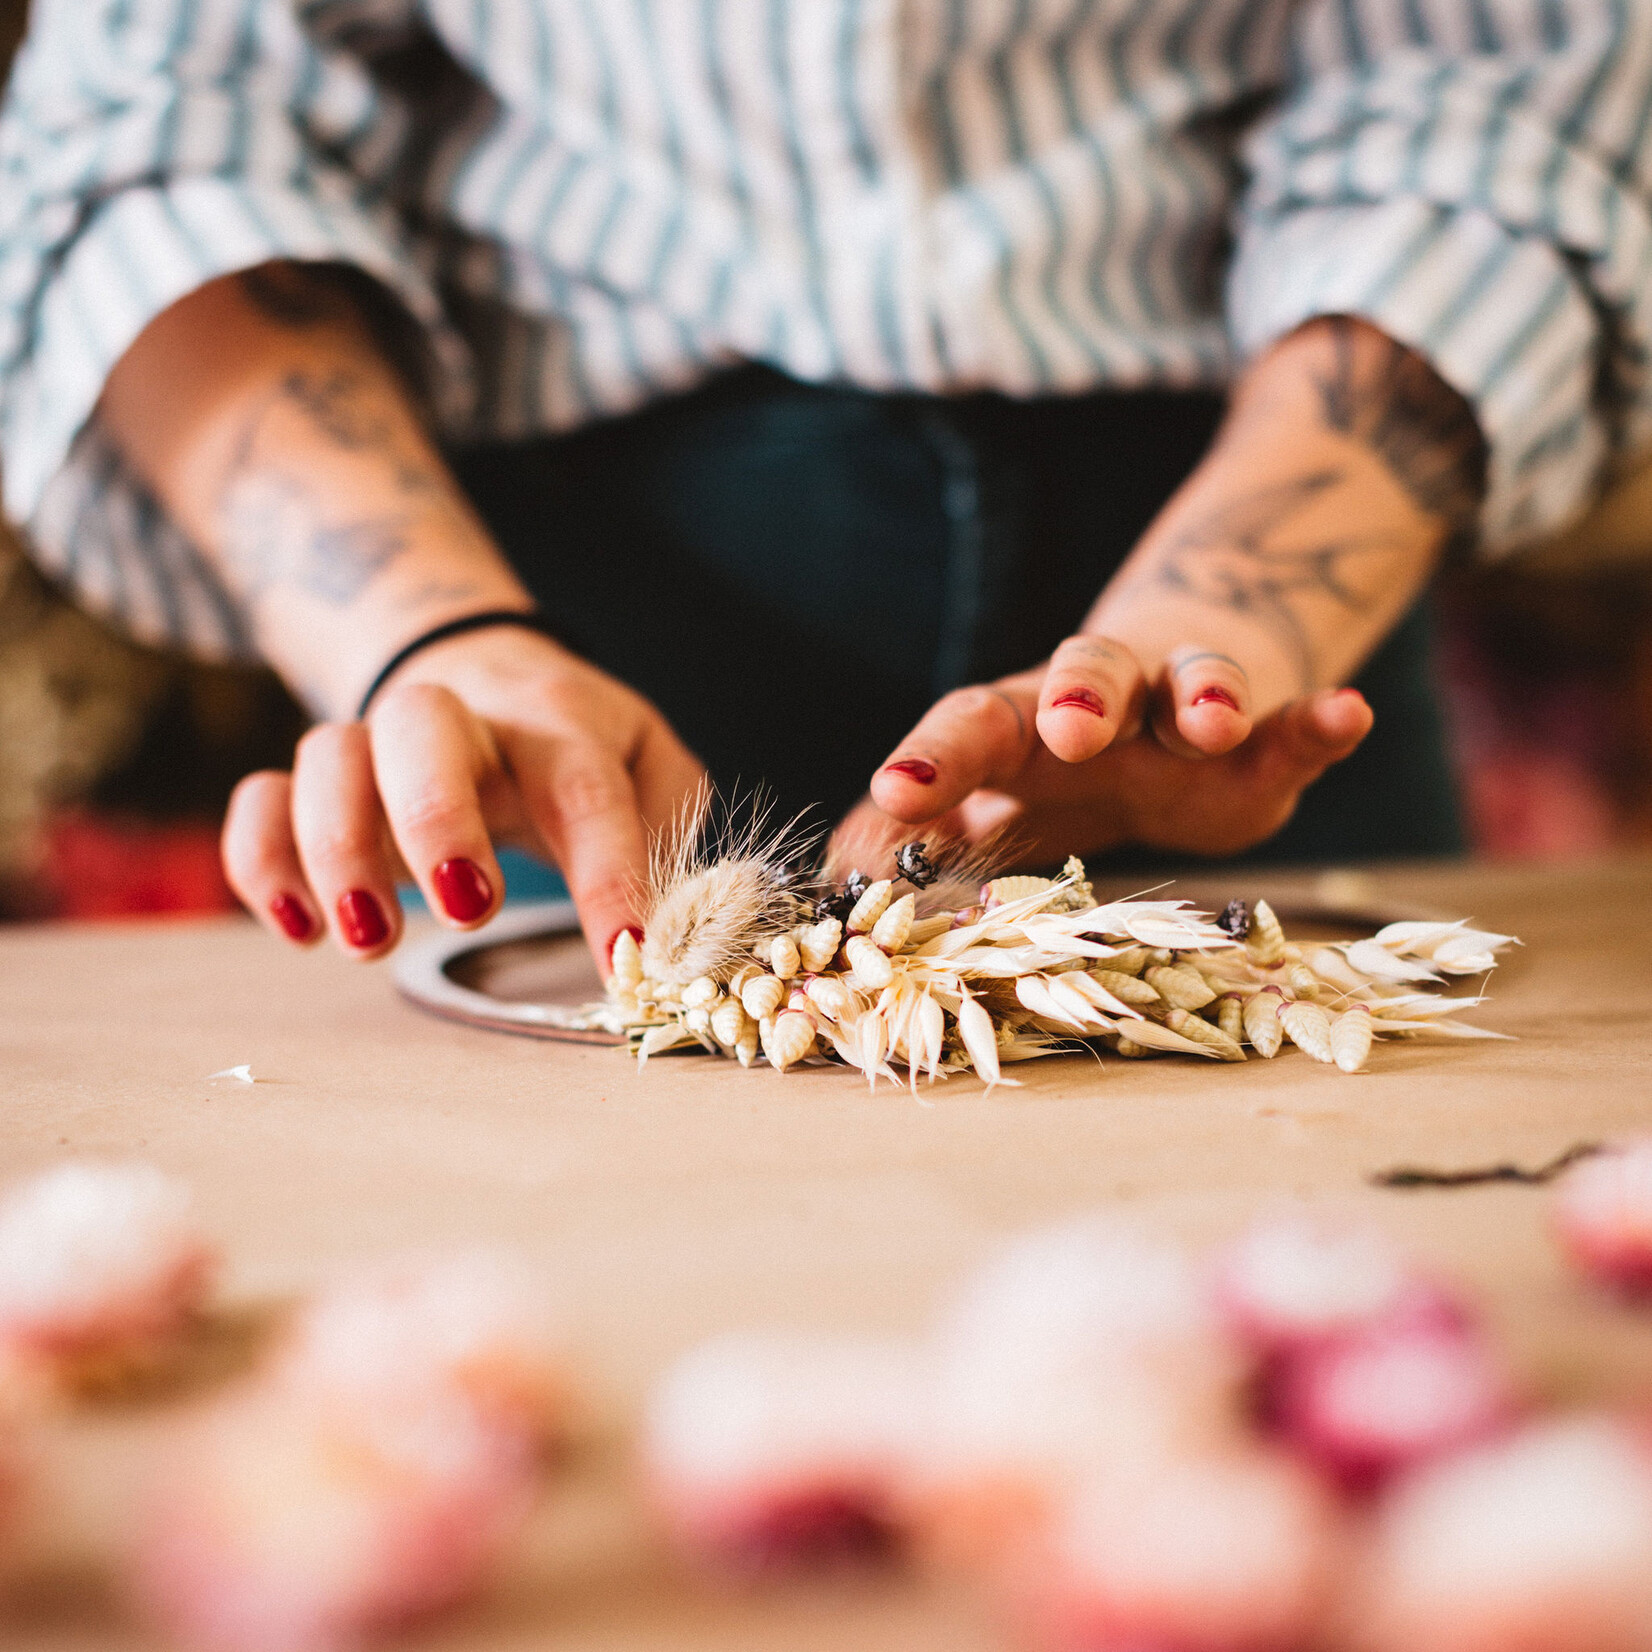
(1091, 751)
(1197, 701)
(496, 737)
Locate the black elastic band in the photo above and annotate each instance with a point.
(527, 619)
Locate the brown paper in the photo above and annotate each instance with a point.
(693, 1197)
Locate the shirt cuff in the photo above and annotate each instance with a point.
(143, 250)
(1500, 317)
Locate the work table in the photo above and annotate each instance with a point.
(670, 1203)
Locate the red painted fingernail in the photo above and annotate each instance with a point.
(1085, 699)
(362, 919)
(1219, 696)
(630, 929)
(463, 889)
(293, 916)
(914, 768)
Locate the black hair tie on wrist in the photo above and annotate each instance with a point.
(529, 619)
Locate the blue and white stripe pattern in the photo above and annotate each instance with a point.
(587, 204)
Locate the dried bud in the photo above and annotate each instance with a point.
(915, 866)
(1235, 919)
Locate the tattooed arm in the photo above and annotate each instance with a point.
(266, 417)
(1199, 698)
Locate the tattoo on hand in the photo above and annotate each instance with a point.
(1389, 398)
(1241, 558)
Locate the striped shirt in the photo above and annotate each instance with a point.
(586, 204)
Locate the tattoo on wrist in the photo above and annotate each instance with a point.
(1387, 397)
(1245, 559)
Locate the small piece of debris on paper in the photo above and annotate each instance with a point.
(241, 1074)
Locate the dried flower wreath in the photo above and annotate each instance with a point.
(744, 955)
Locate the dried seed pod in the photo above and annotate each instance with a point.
(762, 996)
(1262, 1024)
(869, 963)
(783, 957)
(787, 1038)
(1351, 1038)
(729, 1022)
(891, 930)
(1309, 1028)
(1266, 941)
(980, 1038)
(626, 960)
(1131, 961)
(1200, 1031)
(1186, 989)
(818, 945)
(1001, 891)
(1235, 919)
(745, 1048)
(748, 971)
(832, 996)
(1128, 989)
(1128, 1048)
(1304, 983)
(915, 866)
(870, 907)
(701, 993)
(698, 1021)
(1230, 1016)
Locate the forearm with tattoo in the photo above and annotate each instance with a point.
(1335, 486)
(301, 467)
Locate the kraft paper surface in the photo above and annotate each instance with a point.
(693, 1197)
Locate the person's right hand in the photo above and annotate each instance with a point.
(495, 737)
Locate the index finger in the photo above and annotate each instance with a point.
(972, 737)
(583, 802)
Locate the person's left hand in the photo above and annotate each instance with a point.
(1091, 750)
(1193, 707)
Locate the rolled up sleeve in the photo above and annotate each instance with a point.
(1485, 200)
(145, 149)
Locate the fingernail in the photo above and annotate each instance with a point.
(362, 919)
(1084, 698)
(630, 929)
(1217, 695)
(914, 768)
(293, 916)
(463, 889)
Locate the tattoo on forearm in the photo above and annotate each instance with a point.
(1241, 558)
(271, 521)
(1427, 436)
(342, 407)
(277, 530)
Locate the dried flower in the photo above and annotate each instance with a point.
(1038, 965)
